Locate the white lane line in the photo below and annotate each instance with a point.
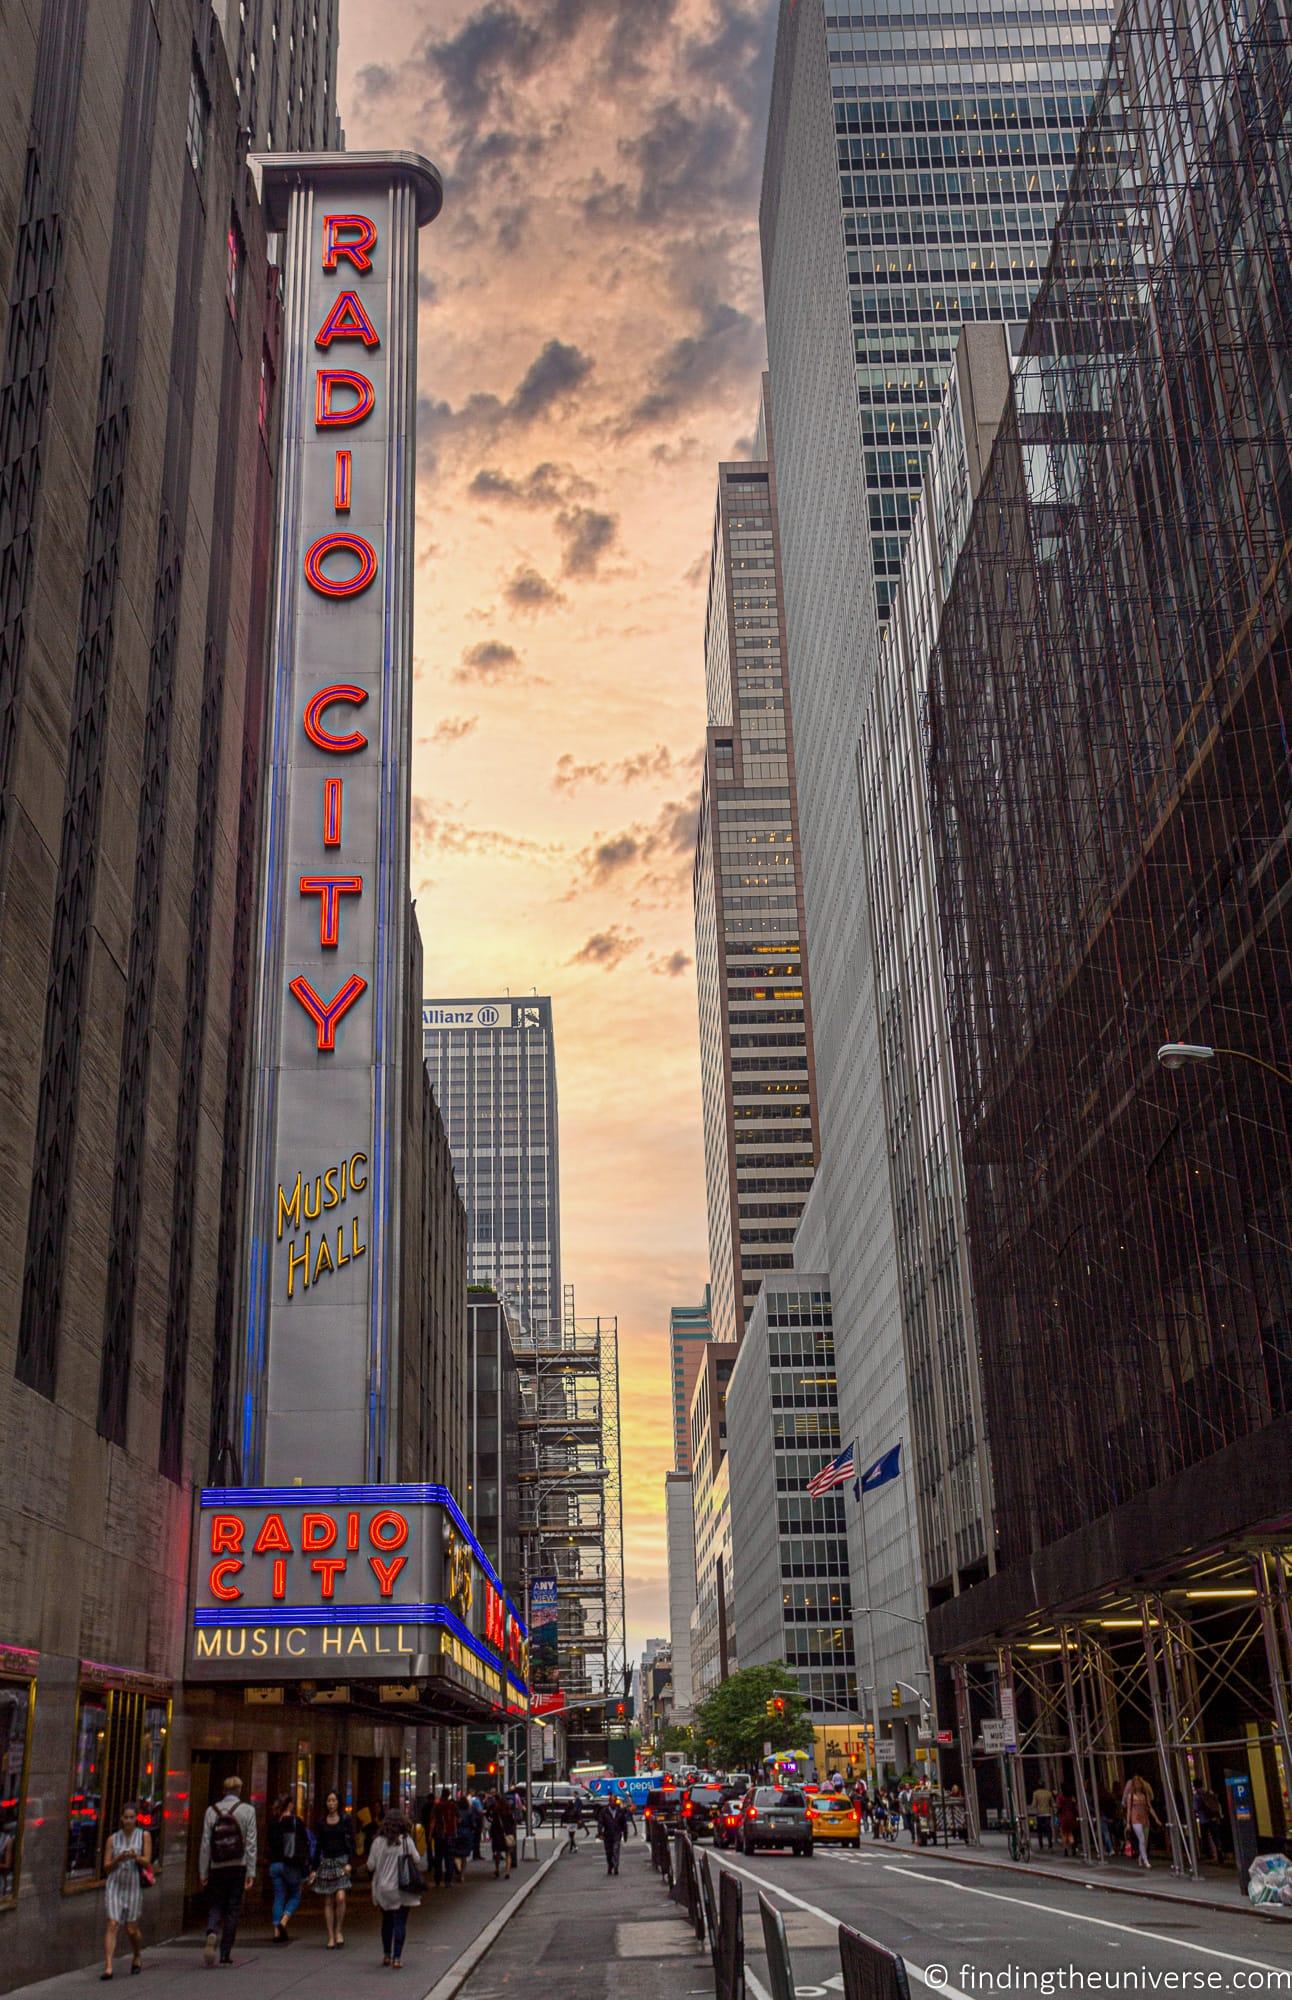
(1080, 1917)
(814, 1910)
(756, 1986)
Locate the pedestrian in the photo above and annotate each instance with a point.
(289, 1862)
(1107, 1820)
(127, 1869)
(397, 1882)
(1207, 1813)
(570, 1821)
(502, 1836)
(227, 1860)
(334, 1852)
(1043, 1813)
(1066, 1809)
(464, 1839)
(445, 1828)
(1137, 1806)
(477, 1824)
(906, 1806)
(614, 1821)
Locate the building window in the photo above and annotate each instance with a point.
(85, 1799)
(195, 135)
(17, 1702)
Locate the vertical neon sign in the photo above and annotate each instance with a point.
(332, 1042)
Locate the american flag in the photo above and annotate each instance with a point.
(837, 1473)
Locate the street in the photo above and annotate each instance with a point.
(964, 1930)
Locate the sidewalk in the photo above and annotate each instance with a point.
(1216, 1889)
(446, 1925)
(584, 1935)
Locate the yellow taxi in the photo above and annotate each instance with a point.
(835, 1817)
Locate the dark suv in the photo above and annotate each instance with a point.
(774, 1818)
(664, 1806)
(700, 1805)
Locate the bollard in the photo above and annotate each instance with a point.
(778, 1951)
(729, 1959)
(710, 1906)
(870, 1971)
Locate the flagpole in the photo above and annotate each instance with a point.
(870, 1627)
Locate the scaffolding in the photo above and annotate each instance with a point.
(571, 1512)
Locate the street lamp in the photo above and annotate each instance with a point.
(1179, 1055)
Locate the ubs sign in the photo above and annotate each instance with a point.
(332, 1031)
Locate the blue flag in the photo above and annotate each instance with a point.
(885, 1468)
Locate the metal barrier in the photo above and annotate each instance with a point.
(870, 1971)
(729, 1958)
(677, 1874)
(778, 1951)
(710, 1906)
(656, 1841)
(691, 1886)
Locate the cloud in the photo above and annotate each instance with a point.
(697, 367)
(606, 949)
(551, 380)
(489, 660)
(525, 590)
(546, 485)
(491, 47)
(452, 728)
(552, 377)
(437, 828)
(658, 852)
(671, 965)
(587, 534)
(639, 766)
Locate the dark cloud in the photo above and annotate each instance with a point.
(547, 485)
(671, 965)
(587, 535)
(489, 660)
(694, 160)
(525, 590)
(552, 377)
(494, 46)
(436, 828)
(606, 949)
(427, 289)
(726, 347)
(452, 728)
(376, 80)
(639, 766)
(609, 856)
(656, 854)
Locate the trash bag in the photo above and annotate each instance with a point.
(1268, 1877)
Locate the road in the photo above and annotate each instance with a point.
(965, 1931)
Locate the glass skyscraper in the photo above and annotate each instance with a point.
(957, 132)
(493, 1070)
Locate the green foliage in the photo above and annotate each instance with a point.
(733, 1723)
(677, 1737)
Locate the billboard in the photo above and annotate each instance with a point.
(479, 1014)
(544, 1596)
(331, 1015)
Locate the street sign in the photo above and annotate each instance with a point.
(993, 1736)
(946, 1737)
(1008, 1722)
(886, 1750)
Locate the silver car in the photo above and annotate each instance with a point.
(772, 1817)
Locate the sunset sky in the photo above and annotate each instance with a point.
(590, 345)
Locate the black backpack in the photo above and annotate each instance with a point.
(228, 1848)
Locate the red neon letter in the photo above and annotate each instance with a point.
(325, 1014)
(328, 1569)
(226, 1534)
(217, 1584)
(329, 545)
(386, 1572)
(314, 707)
(273, 1535)
(279, 1590)
(329, 889)
(347, 320)
(318, 1531)
(357, 251)
(326, 382)
(331, 812)
(397, 1525)
(341, 483)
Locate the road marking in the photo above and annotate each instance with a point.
(1080, 1917)
(943, 1987)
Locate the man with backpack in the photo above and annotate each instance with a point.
(228, 1862)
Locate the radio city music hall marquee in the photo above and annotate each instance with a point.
(333, 1047)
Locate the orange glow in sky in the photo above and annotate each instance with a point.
(590, 347)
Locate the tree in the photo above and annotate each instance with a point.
(676, 1736)
(735, 1721)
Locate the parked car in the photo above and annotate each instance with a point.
(699, 1804)
(835, 1817)
(550, 1802)
(774, 1816)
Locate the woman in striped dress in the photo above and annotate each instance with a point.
(129, 1852)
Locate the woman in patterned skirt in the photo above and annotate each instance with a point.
(334, 1846)
(129, 1852)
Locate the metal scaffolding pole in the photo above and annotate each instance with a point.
(1013, 1762)
(1276, 1655)
(964, 1736)
(1180, 1854)
(1092, 1847)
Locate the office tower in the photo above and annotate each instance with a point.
(1116, 885)
(283, 57)
(790, 1549)
(137, 449)
(948, 1459)
(493, 1069)
(679, 1528)
(713, 1652)
(849, 314)
(756, 1074)
(690, 1328)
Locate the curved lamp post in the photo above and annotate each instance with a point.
(1179, 1055)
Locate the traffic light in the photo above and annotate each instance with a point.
(769, 1706)
(897, 1697)
(778, 1706)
